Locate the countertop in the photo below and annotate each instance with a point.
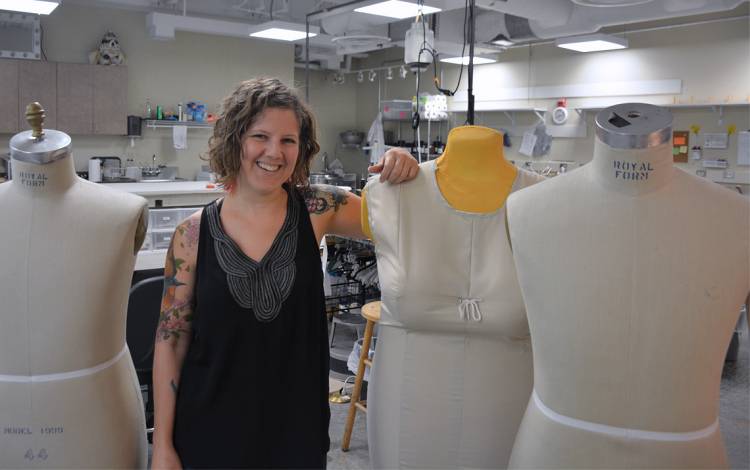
(173, 187)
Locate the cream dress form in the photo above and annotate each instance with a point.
(633, 272)
(453, 369)
(69, 396)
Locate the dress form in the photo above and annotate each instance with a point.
(630, 313)
(69, 396)
(452, 371)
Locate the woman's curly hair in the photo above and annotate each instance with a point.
(240, 110)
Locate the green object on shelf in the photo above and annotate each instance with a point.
(159, 113)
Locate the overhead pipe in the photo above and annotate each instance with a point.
(470, 90)
(312, 16)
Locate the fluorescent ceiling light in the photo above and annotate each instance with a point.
(592, 43)
(281, 34)
(37, 7)
(396, 9)
(281, 31)
(465, 60)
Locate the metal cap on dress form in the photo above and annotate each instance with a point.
(38, 145)
(634, 126)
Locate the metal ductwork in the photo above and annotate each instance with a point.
(548, 19)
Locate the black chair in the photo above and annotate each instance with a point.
(144, 306)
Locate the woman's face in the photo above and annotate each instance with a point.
(270, 148)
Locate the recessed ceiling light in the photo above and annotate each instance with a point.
(610, 3)
(281, 34)
(37, 7)
(592, 43)
(397, 9)
(465, 60)
(281, 31)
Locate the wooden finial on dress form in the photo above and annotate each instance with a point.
(35, 117)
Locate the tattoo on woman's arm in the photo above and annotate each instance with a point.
(174, 316)
(173, 385)
(321, 198)
(189, 230)
(173, 321)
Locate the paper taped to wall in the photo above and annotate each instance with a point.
(743, 148)
(528, 143)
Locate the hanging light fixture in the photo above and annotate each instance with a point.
(389, 75)
(371, 76)
(402, 71)
(360, 76)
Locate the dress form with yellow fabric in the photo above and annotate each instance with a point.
(472, 173)
(453, 369)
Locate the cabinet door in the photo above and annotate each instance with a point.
(37, 82)
(110, 99)
(75, 98)
(8, 96)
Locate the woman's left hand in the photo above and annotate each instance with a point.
(396, 166)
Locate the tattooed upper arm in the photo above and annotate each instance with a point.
(321, 198)
(179, 279)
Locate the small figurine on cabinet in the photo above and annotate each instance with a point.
(108, 52)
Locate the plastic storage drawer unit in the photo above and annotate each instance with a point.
(161, 239)
(166, 218)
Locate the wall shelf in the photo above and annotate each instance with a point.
(153, 124)
(510, 111)
(712, 106)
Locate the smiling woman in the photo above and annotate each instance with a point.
(243, 300)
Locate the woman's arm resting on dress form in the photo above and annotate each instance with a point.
(336, 211)
(173, 335)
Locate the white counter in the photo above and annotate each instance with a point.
(173, 193)
(172, 187)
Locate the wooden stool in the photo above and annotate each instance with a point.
(371, 312)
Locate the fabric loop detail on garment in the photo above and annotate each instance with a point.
(626, 433)
(260, 286)
(64, 375)
(468, 309)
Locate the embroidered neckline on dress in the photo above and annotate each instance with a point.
(258, 285)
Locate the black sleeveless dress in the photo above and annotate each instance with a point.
(253, 390)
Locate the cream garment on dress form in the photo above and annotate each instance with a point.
(69, 396)
(453, 367)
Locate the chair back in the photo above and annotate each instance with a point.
(144, 306)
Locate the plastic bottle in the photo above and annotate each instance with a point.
(179, 112)
(149, 111)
